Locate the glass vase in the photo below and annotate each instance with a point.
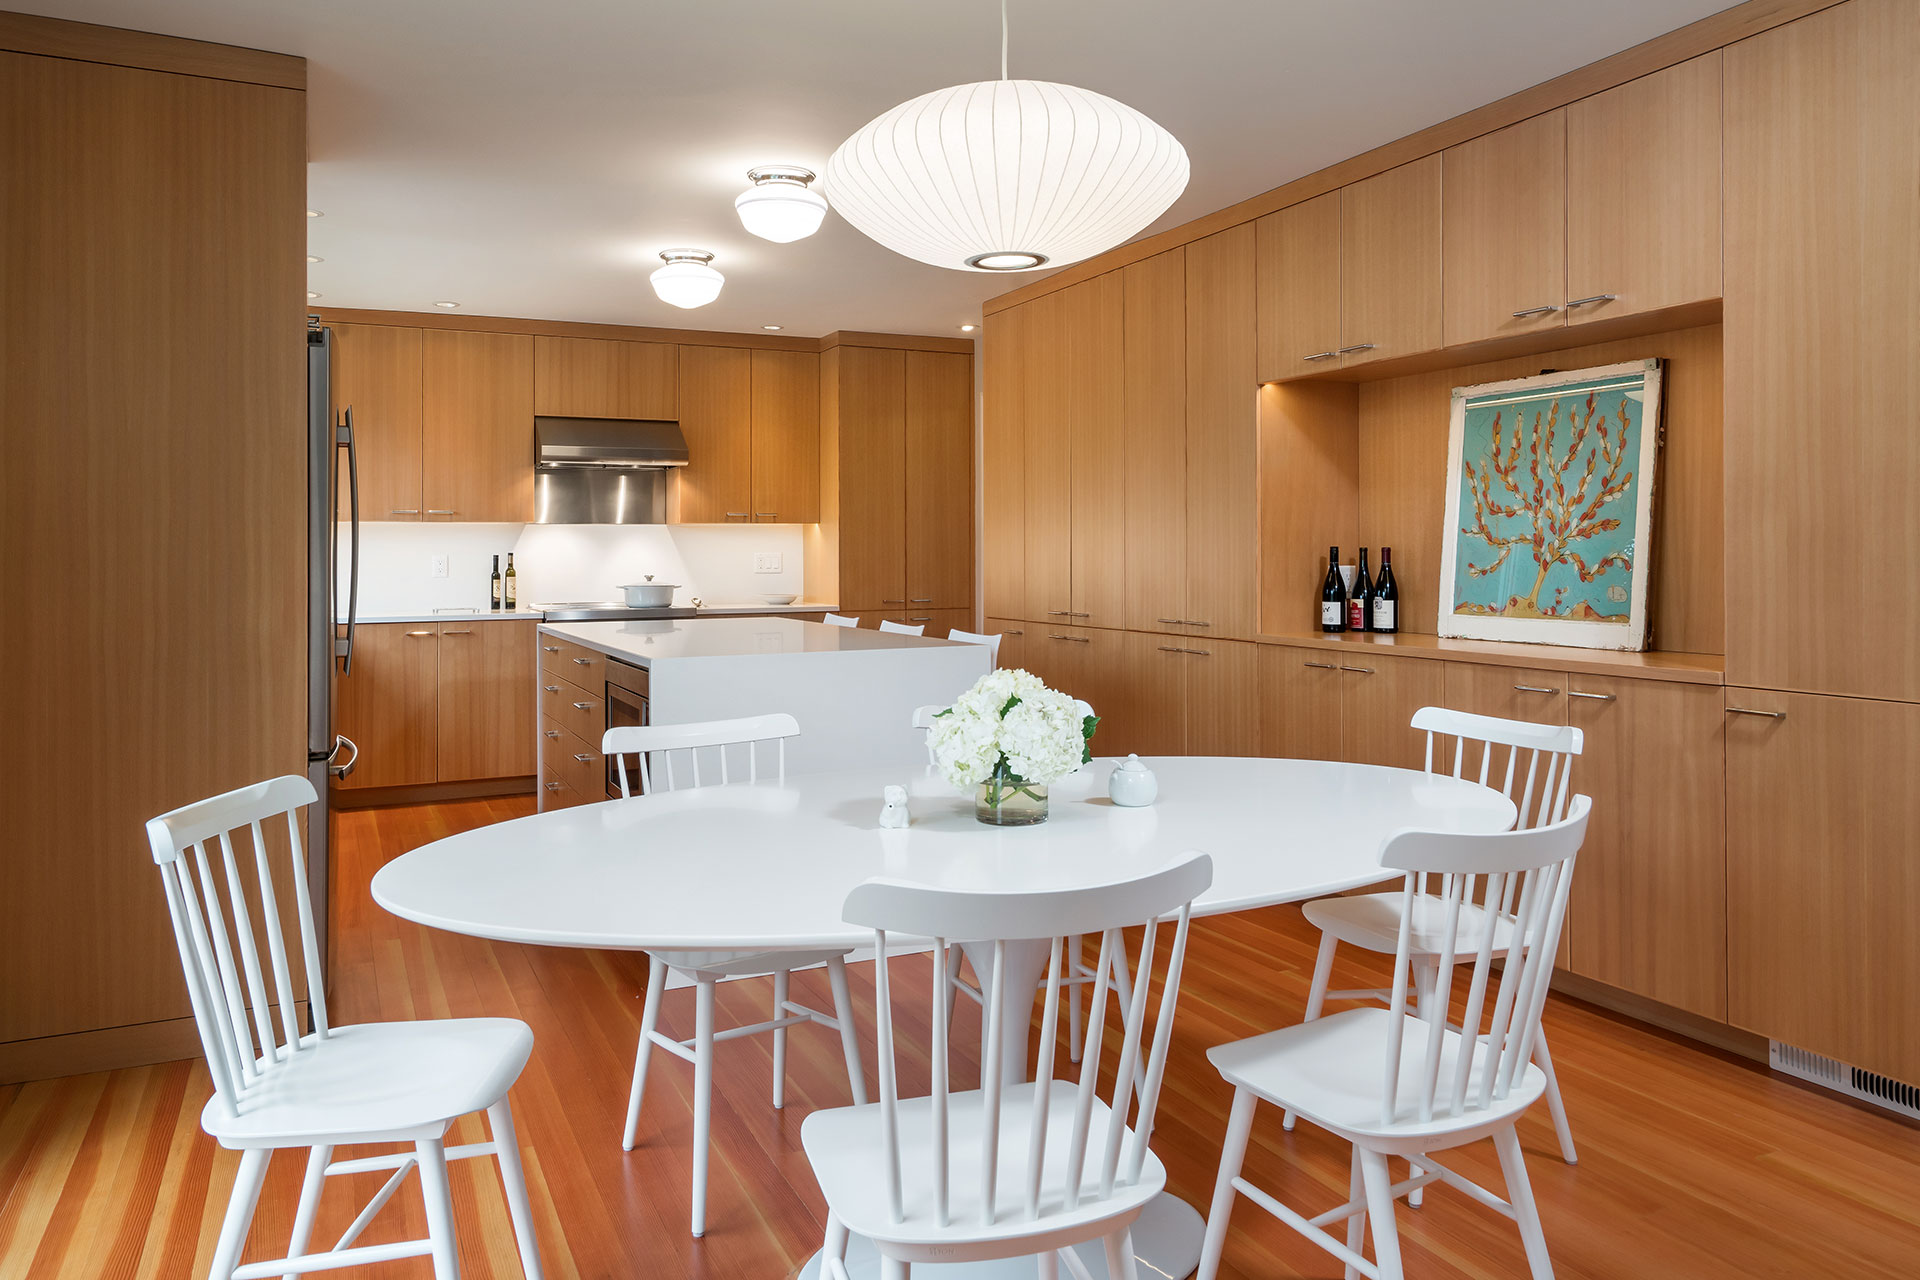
(1003, 800)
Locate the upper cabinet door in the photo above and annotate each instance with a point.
(1096, 386)
(939, 481)
(1298, 265)
(786, 437)
(1390, 263)
(602, 378)
(1049, 463)
(1504, 231)
(716, 415)
(477, 435)
(871, 389)
(1823, 198)
(376, 374)
(1154, 443)
(1003, 491)
(1223, 446)
(1643, 193)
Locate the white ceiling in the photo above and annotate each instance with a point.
(530, 159)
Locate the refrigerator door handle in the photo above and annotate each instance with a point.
(345, 437)
(335, 765)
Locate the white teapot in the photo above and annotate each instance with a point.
(1131, 784)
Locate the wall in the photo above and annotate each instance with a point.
(566, 562)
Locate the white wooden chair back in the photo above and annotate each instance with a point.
(223, 903)
(839, 620)
(1495, 758)
(659, 746)
(974, 637)
(950, 917)
(902, 629)
(1539, 861)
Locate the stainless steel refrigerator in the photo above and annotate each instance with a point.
(331, 462)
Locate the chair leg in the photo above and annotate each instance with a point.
(649, 1018)
(309, 1205)
(780, 1040)
(513, 1179)
(1556, 1107)
(1050, 1265)
(1120, 1260)
(1513, 1163)
(1316, 996)
(849, 1039)
(1076, 953)
(439, 1202)
(1233, 1154)
(1357, 1224)
(1386, 1232)
(702, 1097)
(894, 1269)
(1432, 1008)
(240, 1204)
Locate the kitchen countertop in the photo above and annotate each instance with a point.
(724, 608)
(644, 643)
(534, 615)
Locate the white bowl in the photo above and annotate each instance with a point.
(779, 599)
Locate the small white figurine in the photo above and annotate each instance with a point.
(894, 812)
(1131, 784)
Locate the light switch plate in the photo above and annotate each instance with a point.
(440, 566)
(766, 562)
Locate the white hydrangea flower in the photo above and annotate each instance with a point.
(1040, 737)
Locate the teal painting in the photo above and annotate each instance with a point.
(1550, 484)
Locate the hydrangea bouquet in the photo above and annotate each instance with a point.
(1008, 737)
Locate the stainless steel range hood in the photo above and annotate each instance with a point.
(604, 470)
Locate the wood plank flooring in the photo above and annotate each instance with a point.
(1693, 1163)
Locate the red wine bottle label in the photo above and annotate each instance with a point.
(1356, 614)
(1383, 615)
(1329, 613)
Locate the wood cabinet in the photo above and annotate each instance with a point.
(1643, 193)
(1003, 465)
(1300, 693)
(1823, 196)
(431, 702)
(1536, 695)
(605, 378)
(1504, 231)
(485, 692)
(1319, 704)
(1220, 703)
(1390, 263)
(1153, 442)
(476, 438)
(1297, 263)
(786, 437)
(1222, 575)
(1096, 382)
(389, 705)
(871, 401)
(716, 416)
(1013, 642)
(938, 485)
(377, 377)
(1048, 496)
(1822, 884)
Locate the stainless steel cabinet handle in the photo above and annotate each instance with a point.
(1361, 346)
(1058, 613)
(549, 648)
(467, 632)
(1199, 653)
(1012, 632)
(553, 786)
(1195, 622)
(1359, 671)
(583, 706)
(1534, 311)
(403, 511)
(442, 511)
(1072, 614)
(1598, 297)
(1533, 688)
(765, 515)
(920, 618)
(419, 633)
(920, 600)
(737, 515)
(1596, 697)
(1075, 639)
(1171, 648)
(553, 733)
(1750, 711)
(1323, 666)
(583, 662)
(893, 602)
(1173, 622)
(1321, 355)
(551, 688)
(582, 757)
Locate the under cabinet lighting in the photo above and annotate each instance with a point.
(312, 257)
(315, 213)
(311, 295)
(772, 326)
(448, 305)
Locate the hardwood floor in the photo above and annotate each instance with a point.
(1693, 1163)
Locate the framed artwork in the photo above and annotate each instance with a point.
(1550, 508)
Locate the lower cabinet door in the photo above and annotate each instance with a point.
(1511, 693)
(1300, 703)
(1013, 641)
(938, 622)
(388, 704)
(1823, 885)
(1378, 696)
(1222, 697)
(1649, 906)
(1105, 676)
(1160, 676)
(486, 712)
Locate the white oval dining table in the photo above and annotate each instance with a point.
(767, 865)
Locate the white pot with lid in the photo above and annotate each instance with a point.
(648, 594)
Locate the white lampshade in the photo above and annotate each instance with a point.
(779, 206)
(687, 280)
(1006, 175)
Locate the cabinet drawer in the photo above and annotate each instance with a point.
(581, 665)
(579, 711)
(581, 766)
(555, 793)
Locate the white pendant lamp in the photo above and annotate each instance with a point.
(779, 206)
(687, 280)
(1006, 175)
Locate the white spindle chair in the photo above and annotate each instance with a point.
(274, 1088)
(657, 748)
(902, 629)
(943, 1178)
(1398, 1084)
(974, 637)
(1538, 758)
(839, 620)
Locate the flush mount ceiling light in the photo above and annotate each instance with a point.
(1006, 175)
(779, 206)
(687, 280)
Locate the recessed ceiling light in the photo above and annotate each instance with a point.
(315, 213)
(771, 326)
(315, 258)
(448, 305)
(311, 295)
(966, 328)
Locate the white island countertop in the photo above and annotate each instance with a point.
(645, 643)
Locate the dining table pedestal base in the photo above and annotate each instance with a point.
(1166, 1240)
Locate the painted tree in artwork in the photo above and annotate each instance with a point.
(1526, 482)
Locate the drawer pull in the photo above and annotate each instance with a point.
(1751, 711)
(1010, 631)
(1595, 697)
(1323, 666)
(1363, 346)
(553, 786)
(553, 733)
(583, 758)
(1052, 635)
(549, 648)
(419, 633)
(1172, 622)
(920, 618)
(1321, 355)
(1174, 648)
(1194, 622)
(583, 706)
(1359, 671)
(1598, 297)
(583, 662)
(1058, 613)
(1533, 688)
(1534, 311)
(921, 600)
(551, 688)
(441, 511)
(403, 511)
(1199, 653)
(467, 632)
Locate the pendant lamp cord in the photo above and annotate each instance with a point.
(1003, 39)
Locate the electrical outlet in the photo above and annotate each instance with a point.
(440, 566)
(766, 562)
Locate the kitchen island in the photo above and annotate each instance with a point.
(852, 691)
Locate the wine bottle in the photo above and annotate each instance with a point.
(1360, 599)
(1333, 595)
(1386, 596)
(496, 582)
(512, 585)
